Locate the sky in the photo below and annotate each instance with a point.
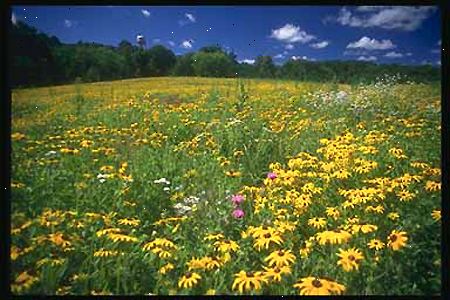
(381, 34)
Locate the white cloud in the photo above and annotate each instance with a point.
(14, 18)
(304, 57)
(146, 13)
(278, 56)
(367, 58)
(247, 61)
(405, 18)
(171, 43)
(393, 54)
(439, 43)
(369, 8)
(438, 62)
(291, 34)
(68, 23)
(187, 44)
(371, 44)
(190, 17)
(156, 40)
(408, 54)
(320, 45)
(289, 46)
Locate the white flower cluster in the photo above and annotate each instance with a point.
(186, 205)
(320, 99)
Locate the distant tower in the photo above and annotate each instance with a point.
(140, 39)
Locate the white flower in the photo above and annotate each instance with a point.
(166, 189)
(162, 180)
(51, 152)
(102, 180)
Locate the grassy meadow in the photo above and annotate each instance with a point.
(224, 186)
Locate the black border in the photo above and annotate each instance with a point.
(5, 161)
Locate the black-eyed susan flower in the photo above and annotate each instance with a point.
(280, 258)
(23, 282)
(226, 246)
(117, 237)
(397, 240)
(266, 239)
(105, 253)
(375, 244)
(432, 186)
(436, 214)
(317, 222)
(349, 259)
(332, 212)
(212, 236)
(367, 228)
(188, 280)
(129, 222)
(274, 273)
(318, 286)
(393, 216)
(166, 268)
(247, 281)
(333, 237)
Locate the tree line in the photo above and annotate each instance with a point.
(37, 59)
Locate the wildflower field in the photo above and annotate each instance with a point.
(226, 186)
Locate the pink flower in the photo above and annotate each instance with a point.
(238, 213)
(272, 175)
(237, 199)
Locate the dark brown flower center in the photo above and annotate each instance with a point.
(267, 235)
(316, 283)
(393, 238)
(227, 242)
(351, 257)
(277, 270)
(188, 275)
(280, 253)
(249, 274)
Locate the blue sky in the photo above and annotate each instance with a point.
(382, 34)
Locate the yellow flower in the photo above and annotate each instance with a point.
(318, 286)
(275, 273)
(117, 237)
(162, 253)
(211, 292)
(375, 244)
(349, 259)
(23, 282)
(106, 231)
(248, 281)
(317, 222)
(393, 216)
(332, 212)
(189, 280)
(333, 237)
(17, 136)
(266, 239)
(280, 258)
(436, 214)
(431, 186)
(233, 173)
(367, 228)
(226, 246)
(166, 268)
(397, 240)
(159, 242)
(105, 253)
(211, 236)
(130, 222)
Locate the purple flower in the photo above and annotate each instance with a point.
(272, 175)
(238, 213)
(237, 199)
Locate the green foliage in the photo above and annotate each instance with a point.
(37, 59)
